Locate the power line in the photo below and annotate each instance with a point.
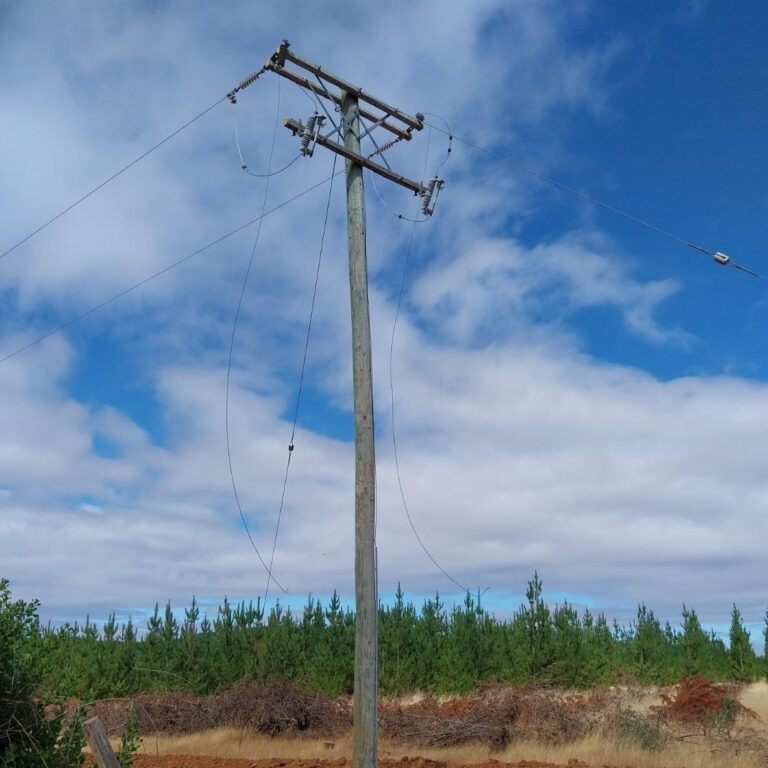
(77, 318)
(392, 410)
(232, 96)
(232, 348)
(725, 260)
(406, 265)
(111, 178)
(244, 166)
(301, 377)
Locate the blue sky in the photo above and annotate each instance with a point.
(575, 394)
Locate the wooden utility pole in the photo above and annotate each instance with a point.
(350, 132)
(366, 618)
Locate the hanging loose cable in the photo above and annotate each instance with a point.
(291, 443)
(424, 547)
(433, 186)
(232, 347)
(244, 167)
(397, 215)
(144, 281)
(401, 293)
(727, 261)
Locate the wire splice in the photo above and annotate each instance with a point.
(721, 258)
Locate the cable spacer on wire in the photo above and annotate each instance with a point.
(430, 194)
(721, 258)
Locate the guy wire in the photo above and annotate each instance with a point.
(301, 377)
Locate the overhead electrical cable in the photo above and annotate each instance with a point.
(115, 297)
(244, 166)
(112, 177)
(231, 96)
(719, 257)
(401, 293)
(291, 443)
(232, 348)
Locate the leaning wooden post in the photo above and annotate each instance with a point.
(97, 740)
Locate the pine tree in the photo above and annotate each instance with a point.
(695, 644)
(743, 659)
(539, 628)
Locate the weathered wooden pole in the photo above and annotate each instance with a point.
(366, 623)
(98, 741)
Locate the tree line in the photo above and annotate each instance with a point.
(430, 648)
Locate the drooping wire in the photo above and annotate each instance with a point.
(401, 293)
(244, 167)
(450, 141)
(232, 347)
(291, 443)
(372, 175)
(115, 297)
(111, 178)
(593, 200)
(397, 215)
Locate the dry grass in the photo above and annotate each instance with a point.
(755, 697)
(597, 748)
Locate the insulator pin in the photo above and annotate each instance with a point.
(721, 258)
(429, 196)
(250, 80)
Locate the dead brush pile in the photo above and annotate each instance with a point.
(699, 712)
(276, 708)
(495, 719)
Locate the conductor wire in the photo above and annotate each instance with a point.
(232, 347)
(577, 192)
(596, 201)
(301, 378)
(111, 178)
(144, 281)
(244, 167)
(401, 293)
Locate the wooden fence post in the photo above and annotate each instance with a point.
(97, 740)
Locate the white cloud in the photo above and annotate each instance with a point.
(517, 451)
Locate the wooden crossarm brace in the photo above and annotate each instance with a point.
(416, 187)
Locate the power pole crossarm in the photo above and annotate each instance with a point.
(354, 155)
